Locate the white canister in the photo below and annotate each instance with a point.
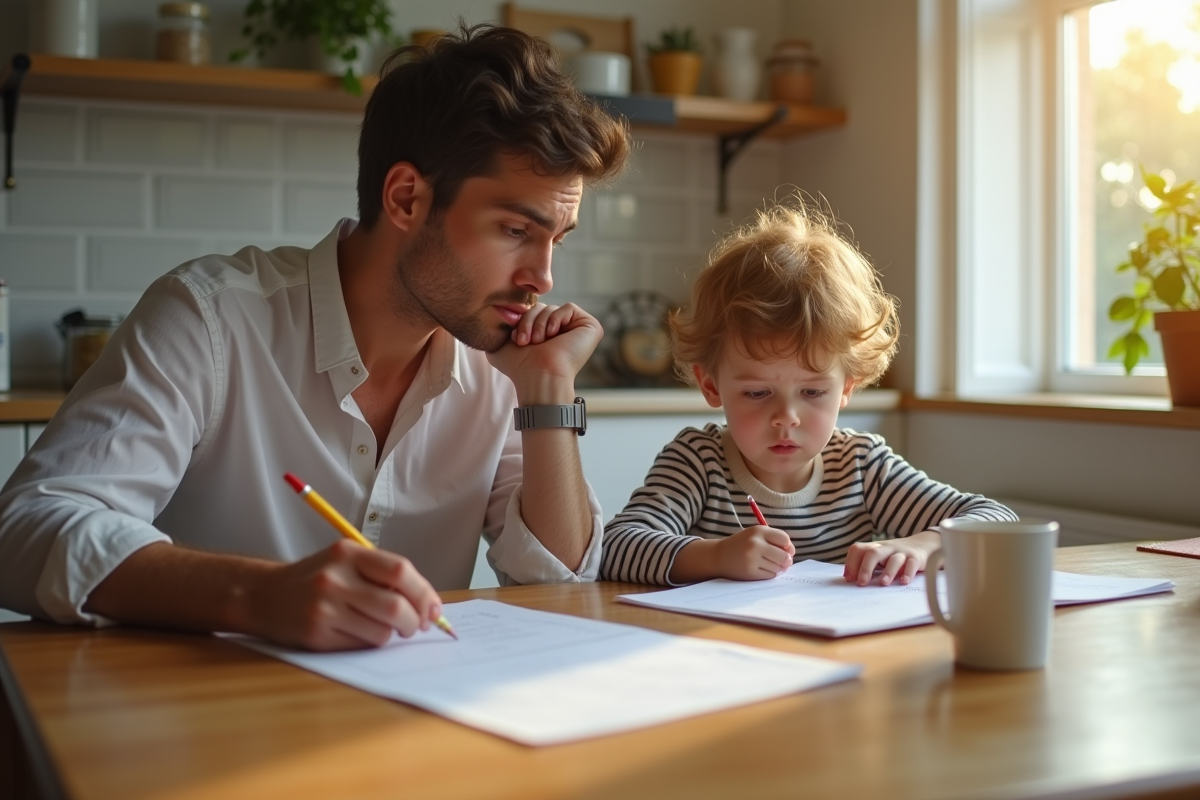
(64, 27)
(5, 370)
(736, 70)
(597, 72)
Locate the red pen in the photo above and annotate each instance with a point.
(757, 512)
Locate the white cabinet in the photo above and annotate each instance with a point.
(617, 451)
(32, 431)
(12, 448)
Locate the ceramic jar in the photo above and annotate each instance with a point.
(736, 71)
(791, 70)
(64, 27)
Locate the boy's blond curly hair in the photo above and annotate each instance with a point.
(789, 285)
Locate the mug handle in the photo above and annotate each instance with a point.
(935, 607)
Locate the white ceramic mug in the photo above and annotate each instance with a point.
(998, 580)
(597, 72)
(64, 27)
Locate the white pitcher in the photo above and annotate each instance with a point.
(736, 71)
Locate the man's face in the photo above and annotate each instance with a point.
(479, 265)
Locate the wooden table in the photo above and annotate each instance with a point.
(132, 714)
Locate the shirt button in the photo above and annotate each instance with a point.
(354, 370)
(362, 449)
(373, 516)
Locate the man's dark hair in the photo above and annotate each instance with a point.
(451, 108)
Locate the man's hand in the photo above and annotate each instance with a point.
(549, 346)
(344, 597)
(900, 559)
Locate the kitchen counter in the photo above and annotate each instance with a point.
(39, 405)
(30, 405)
(613, 402)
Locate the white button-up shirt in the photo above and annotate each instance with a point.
(231, 371)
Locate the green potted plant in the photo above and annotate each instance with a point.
(339, 28)
(675, 62)
(1165, 266)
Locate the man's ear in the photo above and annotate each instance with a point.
(406, 196)
(708, 385)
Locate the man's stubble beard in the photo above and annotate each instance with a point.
(432, 284)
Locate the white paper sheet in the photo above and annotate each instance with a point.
(813, 597)
(541, 678)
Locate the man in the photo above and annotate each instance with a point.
(156, 495)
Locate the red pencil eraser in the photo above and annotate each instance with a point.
(294, 482)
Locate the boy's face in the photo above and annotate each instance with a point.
(780, 414)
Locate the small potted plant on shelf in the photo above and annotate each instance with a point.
(675, 62)
(338, 29)
(1166, 289)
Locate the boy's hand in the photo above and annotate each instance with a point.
(754, 554)
(900, 559)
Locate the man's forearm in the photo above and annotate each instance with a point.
(166, 586)
(554, 494)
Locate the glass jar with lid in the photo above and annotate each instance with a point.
(182, 33)
(792, 68)
(84, 336)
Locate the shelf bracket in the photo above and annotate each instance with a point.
(730, 145)
(11, 90)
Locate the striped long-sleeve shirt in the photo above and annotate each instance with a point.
(859, 491)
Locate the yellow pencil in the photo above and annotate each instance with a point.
(343, 526)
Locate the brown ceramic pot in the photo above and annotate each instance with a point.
(1180, 332)
(675, 71)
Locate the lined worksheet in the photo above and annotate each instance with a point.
(541, 678)
(813, 597)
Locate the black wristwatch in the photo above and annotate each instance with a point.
(564, 416)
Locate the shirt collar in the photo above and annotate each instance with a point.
(444, 362)
(333, 338)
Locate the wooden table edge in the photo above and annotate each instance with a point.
(38, 765)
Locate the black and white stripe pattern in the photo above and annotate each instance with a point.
(860, 491)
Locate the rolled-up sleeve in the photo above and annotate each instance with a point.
(87, 493)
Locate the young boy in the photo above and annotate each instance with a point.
(784, 324)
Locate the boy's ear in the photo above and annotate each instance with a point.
(847, 390)
(708, 385)
(406, 196)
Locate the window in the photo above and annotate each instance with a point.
(1035, 117)
(1129, 99)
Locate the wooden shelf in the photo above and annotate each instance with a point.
(166, 82)
(720, 116)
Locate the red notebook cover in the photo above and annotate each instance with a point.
(1189, 548)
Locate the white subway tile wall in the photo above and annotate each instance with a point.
(112, 195)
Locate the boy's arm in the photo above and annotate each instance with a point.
(903, 501)
(907, 506)
(644, 541)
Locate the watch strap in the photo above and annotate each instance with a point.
(573, 415)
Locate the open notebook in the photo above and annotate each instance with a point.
(813, 597)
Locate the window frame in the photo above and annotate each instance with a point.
(987, 64)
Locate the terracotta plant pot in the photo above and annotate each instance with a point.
(1180, 332)
(675, 71)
